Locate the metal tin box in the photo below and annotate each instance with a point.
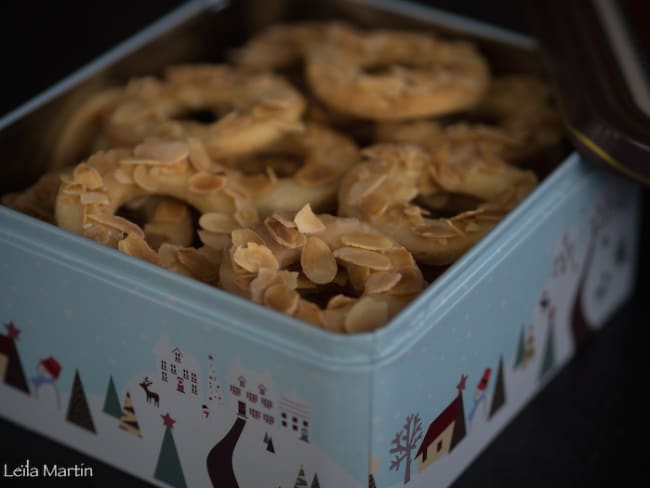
(181, 384)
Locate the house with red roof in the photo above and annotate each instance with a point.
(445, 432)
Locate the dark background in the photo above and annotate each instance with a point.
(587, 428)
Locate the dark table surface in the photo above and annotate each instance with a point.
(587, 428)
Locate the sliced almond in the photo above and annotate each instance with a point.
(103, 234)
(364, 240)
(131, 161)
(245, 215)
(286, 219)
(284, 236)
(214, 240)
(314, 174)
(199, 157)
(366, 315)
(307, 222)
(358, 275)
(438, 228)
(381, 282)
(310, 313)
(87, 176)
(304, 283)
(167, 254)
(218, 222)
(136, 246)
(72, 189)
(361, 188)
(317, 261)
(376, 204)
(119, 223)
(411, 282)
(253, 257)
(399, 257)
(206, 183)
(241, 237)
(144, 180)
(281, 298)
(258, 285)
(123, 175)
(94, 198)
(202, 267)
(340, 301)
(166, 152)
(363, 257)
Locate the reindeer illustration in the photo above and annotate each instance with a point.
(151, 395)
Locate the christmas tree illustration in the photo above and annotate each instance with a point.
(78, 411)
(301, 480)
(499, 394)
(269, 446)
(128, 420)
(548, 359)
(371, 481)
(111, 403)
(168, 467)
(314, 482)
(11, 369)
(519, 358)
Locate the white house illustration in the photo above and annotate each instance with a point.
(175, 370)
(252, 394)
(295, 416)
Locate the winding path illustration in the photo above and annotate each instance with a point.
(219, 460)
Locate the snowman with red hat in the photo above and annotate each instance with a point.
(48, 371)
(480, 396)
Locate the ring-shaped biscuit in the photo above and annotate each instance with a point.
(272, 262)
(521, 118)
(298, 169)
(229, 111)
(87, 200)
(390, 75)
(384, 189)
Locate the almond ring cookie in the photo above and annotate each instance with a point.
(385, 191)
(273, 263)
(416, 75)
(87, 201)
(241, 112)
(298, 169)
(523, 122)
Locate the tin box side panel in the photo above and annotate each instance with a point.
(138, 379)
(501, 333)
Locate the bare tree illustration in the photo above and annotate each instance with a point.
(404, 442)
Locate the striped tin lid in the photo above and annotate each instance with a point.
(598, 52)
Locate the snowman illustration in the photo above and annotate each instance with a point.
(48, 371)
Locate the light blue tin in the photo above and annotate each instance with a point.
(181, 384)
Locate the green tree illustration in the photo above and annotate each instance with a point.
(112, 405)
(168, 468)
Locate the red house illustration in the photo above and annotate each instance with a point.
(11, 369)
(445, 432)
(176, 370)
(253, 400)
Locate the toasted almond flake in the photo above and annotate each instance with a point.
(363, 257)
(290, 278)
(201, 267)
(205, 183)
(272, 177)
(72, 189)
(166, 152)
(119, 223)
(241, 237)
(103, 234)
(410, 283)
(258, 285)
(341, 278)
(136, 246)
(399, 257)
(285, 219)
(439, 229)
(171, 211)
(281, 298)
(366, 315)
(304, 283)
(253, 257)
(87, 176)
(167, 254)
(198, 156)
(381, 282)
(358, 275)
(375, 204)
(246, 215)
(314, 174)
(317, 261)
(340, 301)
(218, 222)
(123, 175)
(214, 240)
(374, 242)
(129, 161)
(472, 227)
(94, 197)
(144, 180)
(310, 313)
(360, 189)
(284, 236)
(307, 222)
